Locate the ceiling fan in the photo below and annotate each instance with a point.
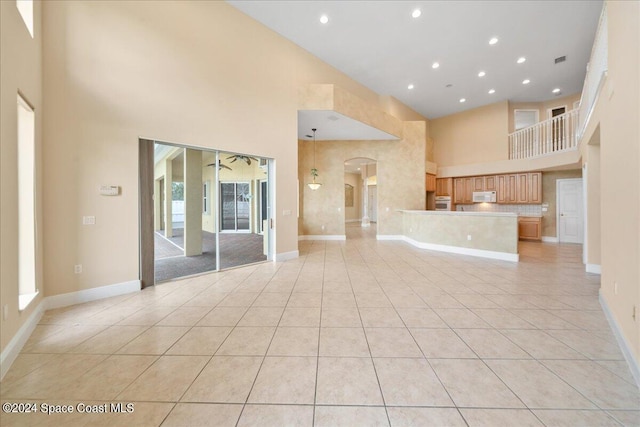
(220, 165)
(246, 159)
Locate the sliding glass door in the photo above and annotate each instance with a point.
(235, 205)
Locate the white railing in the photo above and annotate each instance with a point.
(547, 137)
(596, 70)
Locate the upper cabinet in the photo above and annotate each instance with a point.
(444, 187)
(430, 182)
(515, 188)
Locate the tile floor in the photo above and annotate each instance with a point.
(355, 333)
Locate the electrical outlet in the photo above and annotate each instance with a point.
(77, 269)
(468, 236)
(323, 227)
(5, 312)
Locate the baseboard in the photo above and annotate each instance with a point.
(286, 256)
(503, 256)
(594, 268)
(11, 351)
(390, 237)
(622, 342)
(86, 295)
(353, 220)
(550, 239)
(323, 237)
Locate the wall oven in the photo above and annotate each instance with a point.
(443, 203)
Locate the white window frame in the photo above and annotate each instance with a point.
(27, 224)
(25, 8)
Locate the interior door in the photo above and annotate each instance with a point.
(235, 206)
(570, 211)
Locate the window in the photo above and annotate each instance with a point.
(524, 118)
(25, 7)
(26, 204)
(206, 203)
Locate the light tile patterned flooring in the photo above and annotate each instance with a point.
(356, 333)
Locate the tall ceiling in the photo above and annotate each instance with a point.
(380, 45)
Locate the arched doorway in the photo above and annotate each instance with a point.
(361, 197)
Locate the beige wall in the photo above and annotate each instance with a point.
(354, 212)
(549, 196)
(594, 204)
(542, 107)
(20, 70)
(617, 116)
(167, 71)
(400, 180)
(473, 136)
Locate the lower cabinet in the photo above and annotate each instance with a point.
(529, 228)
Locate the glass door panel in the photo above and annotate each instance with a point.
(228, 205)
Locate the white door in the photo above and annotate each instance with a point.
(570, 211)
(373, 203)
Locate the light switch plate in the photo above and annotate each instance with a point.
(88, 220)
(109, 190)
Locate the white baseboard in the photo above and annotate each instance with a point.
(594, 268)
(86, 295)
(323, 237)
(11, 351)
(550, 239)
(622, 342)
(286, 256)
(353, 220)
(503, 256)
(390, 237)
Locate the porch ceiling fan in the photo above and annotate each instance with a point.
(246, 159)
(220, 165)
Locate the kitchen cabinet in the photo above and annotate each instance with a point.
(490, 183)
(463, 190)
(507, 188)
(529, 228)
(444, 187)
(430, 182)
(478, 183)
(522, 192)
(535, 187)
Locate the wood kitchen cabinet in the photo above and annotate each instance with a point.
(507, 188)
(430, 182)
(529, 228)
(463, 190)
(478, 183)
(522, 191)
(535, 187)
(490, 183)
(444, 187)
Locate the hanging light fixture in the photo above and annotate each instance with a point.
(314, 172)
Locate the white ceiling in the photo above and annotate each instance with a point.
(380, 45)
(333, 126)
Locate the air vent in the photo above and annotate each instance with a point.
(560, 59)
(333, 118)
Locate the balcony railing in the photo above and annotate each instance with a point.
(550, 136)
(596, 71)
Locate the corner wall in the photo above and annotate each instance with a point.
(20, 70)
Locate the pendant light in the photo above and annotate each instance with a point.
(314, 172)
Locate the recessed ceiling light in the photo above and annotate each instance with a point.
(526, 81)
(324, 19)
(435, 65)
(416, 13)
(556, 90)
(482, 74)
(462, 100)
(521, 60)
(493, 40)
(492, 91)
(358, 168)
(410, 87)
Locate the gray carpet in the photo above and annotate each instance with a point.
(235, 249)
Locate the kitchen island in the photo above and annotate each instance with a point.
(483, 234)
